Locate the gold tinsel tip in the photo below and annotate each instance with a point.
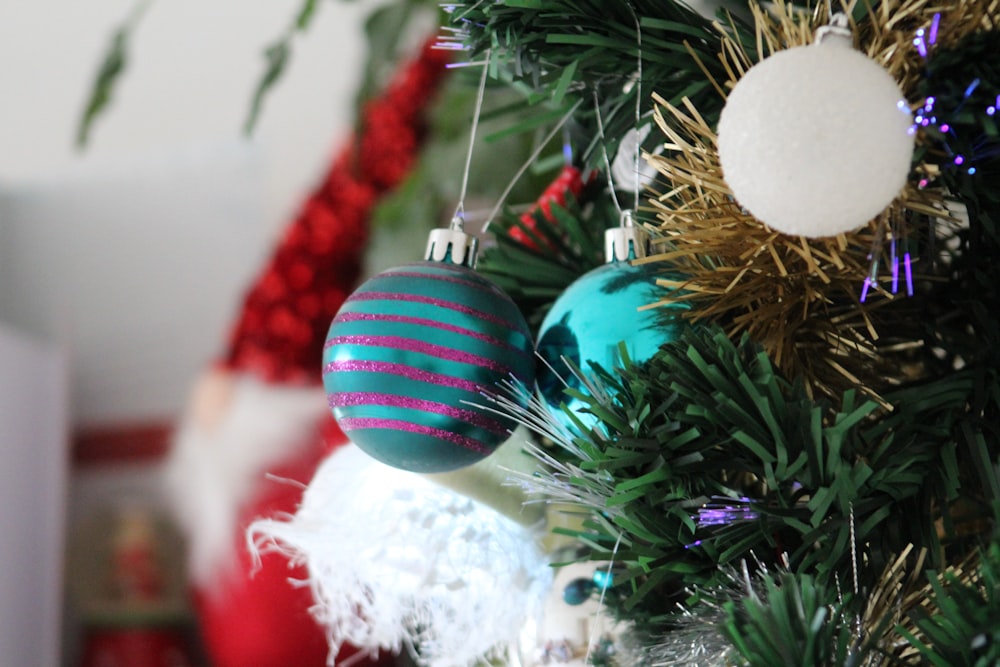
(904, 588)
(800, 298)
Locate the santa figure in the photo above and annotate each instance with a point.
(257, 425)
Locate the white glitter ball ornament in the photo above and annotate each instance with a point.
(816, 140)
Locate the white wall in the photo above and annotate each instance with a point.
(134, 253)
(33, 433)
(135, 270)
(194, 64)
(131, 257)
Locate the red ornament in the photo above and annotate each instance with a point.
(569, 181)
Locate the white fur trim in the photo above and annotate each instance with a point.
(397, 561)
(212, 472)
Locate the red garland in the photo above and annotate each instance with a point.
(280, 333)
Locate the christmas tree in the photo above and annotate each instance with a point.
(790, 456)
(807, 473)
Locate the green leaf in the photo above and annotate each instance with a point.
(565, 79)
(305, 15)
(109, 72)
(276, 58)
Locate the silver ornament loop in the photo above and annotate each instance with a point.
(836, 33)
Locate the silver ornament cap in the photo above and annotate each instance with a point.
(452, 244)
(625, 242)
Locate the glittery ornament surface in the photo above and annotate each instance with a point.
(590, 319)
(815, 170)
(280, 332)
(410, 355)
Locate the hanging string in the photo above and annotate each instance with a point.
(854, 551)
(459, 216)
(607, 161)
(638, 102)
(637, 158)
(527, 163)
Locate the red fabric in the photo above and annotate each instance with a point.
(282, 326)
(136, 647)
(261, 617)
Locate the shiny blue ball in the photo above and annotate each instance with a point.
(588, 321)
(578, 591)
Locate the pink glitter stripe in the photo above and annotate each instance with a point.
(403, 370)
(423, 321)
(412, 345)
(355, 398)
(465, 442)
(443, 277)
(442, 303)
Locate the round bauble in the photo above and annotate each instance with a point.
(578, 591)
(816, 140)
(588, 322)
(410, 350)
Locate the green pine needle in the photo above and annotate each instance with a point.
(964, 628)
(566, 246)
(569, 50)
(708, 428)
(795, 622)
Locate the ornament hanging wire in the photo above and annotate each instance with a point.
(858, 625)
(638, 103)
(527, 163)
(451, 43)
(459, 217)
(453, 243)
(627, 241)
(637, 81)
(604, 149)
(837, 27)
(477, 112)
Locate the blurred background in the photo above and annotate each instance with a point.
(121, 267)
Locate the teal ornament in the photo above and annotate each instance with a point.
(578, 591)
(411, 353)
(596, 314)
(603, 579)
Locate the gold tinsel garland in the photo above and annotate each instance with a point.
(799, 298)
